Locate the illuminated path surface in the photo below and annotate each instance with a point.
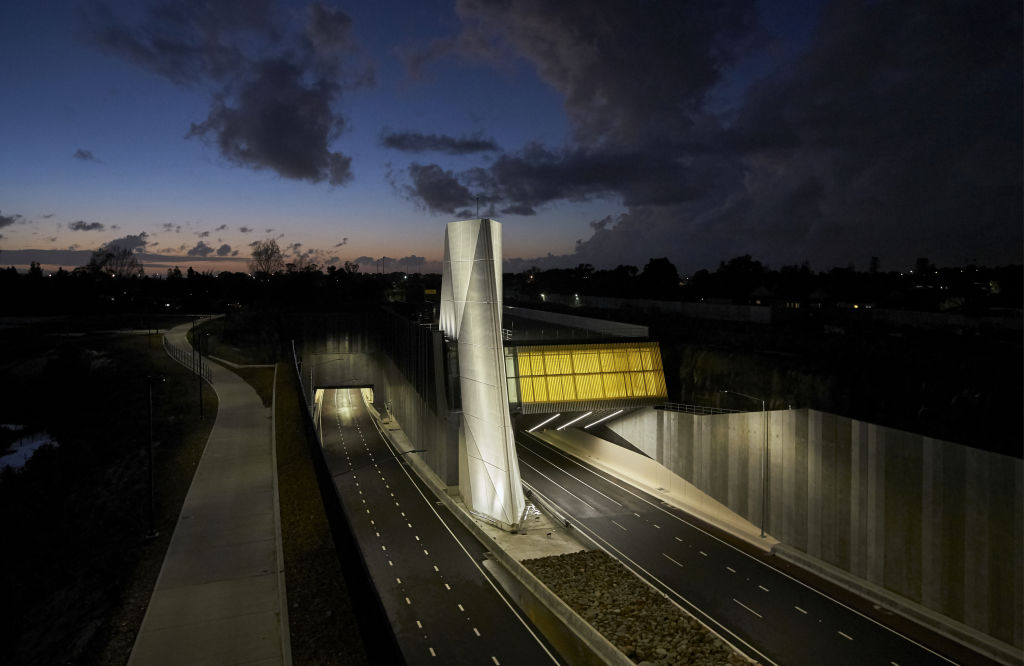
(426, 567)
(219, 598)
(768, 615)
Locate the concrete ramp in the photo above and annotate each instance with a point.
(654, 478)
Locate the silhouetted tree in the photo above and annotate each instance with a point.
(266, 257)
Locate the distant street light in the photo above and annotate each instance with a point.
(764, 457)
(149, 459)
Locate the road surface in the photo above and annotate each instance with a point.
(443, 607)
(770, 616)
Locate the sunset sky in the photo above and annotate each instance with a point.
(597, 132)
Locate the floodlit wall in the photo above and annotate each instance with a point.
(938, 523)
(471, 314)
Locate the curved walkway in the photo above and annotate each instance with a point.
(220, 595)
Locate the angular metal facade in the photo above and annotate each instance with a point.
(471, 314)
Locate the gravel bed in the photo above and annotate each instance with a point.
(643, 624)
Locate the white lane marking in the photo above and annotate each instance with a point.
(390, 563)
(398, 580)
(432, 653)
(417, 538)
(672, 560)
(679, 540)
(447, 586)
(656, 526)
(748, 608)
(556, 484)
(694, 609)
(425, 552)
(849, 638)
(384, 548)
(495, 660)
(731, 569)
(610, 499)
(461, 608)
(764, 588)
(702, 553)
(378, 534)
(490, 582)
(436, 569)
(476, 631)
(620, 526)
(636, 514)
(408, 602)
(419, 624)
(611, 480)
(800, 609)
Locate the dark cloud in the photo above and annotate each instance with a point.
(280, 122)
(203, 234)
(201, 249)
(268, 230)
(187, 42)
(414, 142)
(438, 190)
(8, 220)
(85, 155)
(894, 131)
(631, 74)
(245, 230)
(224, 251)
(221, 227)
(276, 80)
(82, 225)
(131, 242)
(344, 241)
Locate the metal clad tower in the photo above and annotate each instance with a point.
(471, 314)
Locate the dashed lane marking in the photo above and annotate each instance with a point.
(731, 569)
(764, 588)
(849, 638)
(476, 631)
(672, 560)
(748, 608)
(800, 609)
(619, 526)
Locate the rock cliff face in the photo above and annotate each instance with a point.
(646, 626)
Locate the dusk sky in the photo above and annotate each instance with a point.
(597, 132)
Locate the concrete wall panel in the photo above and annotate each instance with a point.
(936, 522)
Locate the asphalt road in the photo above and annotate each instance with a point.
(443, 607)
(770, 616)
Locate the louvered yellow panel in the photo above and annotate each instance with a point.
(589, 387)
(540, 389)
(635, 382)
(655, 383)
(586, 361)
(614, 385)
(537, 363)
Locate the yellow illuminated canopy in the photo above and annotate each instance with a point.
(585, 372)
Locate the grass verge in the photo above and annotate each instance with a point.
(322, 617)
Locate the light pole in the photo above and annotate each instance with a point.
(200, 373)
(149, 458)
(764, 457)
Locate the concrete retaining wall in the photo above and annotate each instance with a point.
(935, 522)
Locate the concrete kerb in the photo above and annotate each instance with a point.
(595, 647)
(963, 634)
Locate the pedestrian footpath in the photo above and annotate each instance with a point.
(220, 595)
